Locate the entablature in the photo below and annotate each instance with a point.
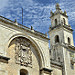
(20, 26)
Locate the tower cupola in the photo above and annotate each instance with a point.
(58, 10)
(59, 17)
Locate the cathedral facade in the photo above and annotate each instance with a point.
(24, 51)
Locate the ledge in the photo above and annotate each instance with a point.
(7, 21)
(56, 63)
(59, 13)
(69, 46)
(65, 26)
(4, 59)
(45, 69)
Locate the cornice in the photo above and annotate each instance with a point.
(56, 63)
(57, 14)
(4, 59)
(59, 26)
(10, 22)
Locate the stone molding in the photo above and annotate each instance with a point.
(7, 21)
(46, 70)
(4, 59)
(64, 26)
(56, 63)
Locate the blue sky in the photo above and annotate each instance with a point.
(36, 12)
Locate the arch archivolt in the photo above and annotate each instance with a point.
(10, 38)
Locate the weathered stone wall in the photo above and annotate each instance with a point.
(53, 20)
(66, 19)
(56, 71)
(55, 32)
(14, 67)
(69, 67)
(59, 20)
(69, 34)
(8, 33)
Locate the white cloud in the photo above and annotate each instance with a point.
(3, 3)
(35, 14)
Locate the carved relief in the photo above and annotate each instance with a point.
(23, 54)
(56, 54)
(72, 58)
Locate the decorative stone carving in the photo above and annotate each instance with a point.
(56, 54)
(72, 61)
(71, 54)
(23, 54)
(72, 58)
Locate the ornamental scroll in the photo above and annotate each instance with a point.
(23, 54)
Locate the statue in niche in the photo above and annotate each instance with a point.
(55, 54)
(23, 54)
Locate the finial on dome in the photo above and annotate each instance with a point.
(57, 6)
(51, 13)
(16, 22)
(31, 28)
(46, 34)
(65, 12)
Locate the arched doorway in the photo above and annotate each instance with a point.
(23, 72)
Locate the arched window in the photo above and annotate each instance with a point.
(68, 40)
(56, 38)
(64, 22)
(55, 22)
(23, 72)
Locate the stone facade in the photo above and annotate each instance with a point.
(24, 51)
(62, 48)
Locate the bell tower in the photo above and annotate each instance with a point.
(61, 40)
(58, 17)
(60, 30)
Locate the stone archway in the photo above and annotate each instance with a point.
(42, 59)
(22, 52)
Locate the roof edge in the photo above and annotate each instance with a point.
(5, 20)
